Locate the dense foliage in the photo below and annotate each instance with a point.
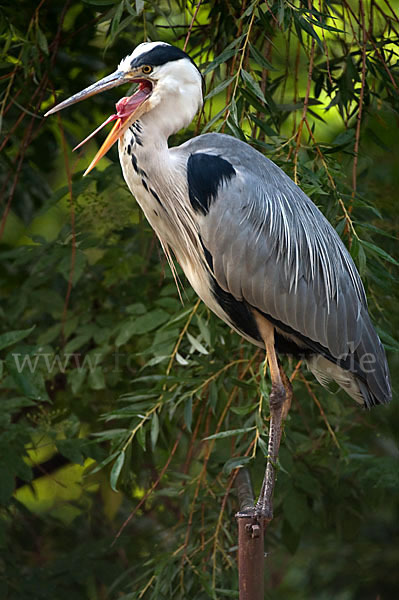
(124, 412)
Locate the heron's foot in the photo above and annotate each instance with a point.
(264, 509)
(257, 512)
(248, 512)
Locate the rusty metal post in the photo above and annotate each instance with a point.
(250, 542)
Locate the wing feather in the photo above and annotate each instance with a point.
(288, 281)
(273, 249)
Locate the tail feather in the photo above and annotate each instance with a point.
(363, 373)
(374, 372)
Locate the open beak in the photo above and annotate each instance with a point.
(128, 109)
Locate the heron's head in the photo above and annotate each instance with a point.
(169, 87)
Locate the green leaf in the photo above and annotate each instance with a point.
(41, 40)
(76, 379)
(196, 344)
(236, 131)
(204, 329)
(25, 371)
(229, 433)
(222, 58)
(307, 27)
(71, 449)
(379, 251)
(49, 335)
(377, 230)
(324, 25)
(116, 469)
(117, 18)
(72, 271)
(130, 9)
(104, 462)
(227, 53)
(141, 438)
(219, 88)
(233, 112)
(263, 446)
(77, 343)
(387, 339)
(181, 360)
(154, 429)
(218, 115)
(139, 6)
(261, 60)
(243, 410)
(188, 413)
(253, 85)
(142, 324)
(264, 126)
(96, 379)
(236, 463)
(11, 337)
(361, 260)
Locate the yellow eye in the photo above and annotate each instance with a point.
(146, 69)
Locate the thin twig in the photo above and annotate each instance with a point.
(347, 216)
(305, 110)
(181, 336)
(210, 444)
(242, 57)
(152, 488)
(73, 232)
(323, 414)
(192, 24)
(360, 109)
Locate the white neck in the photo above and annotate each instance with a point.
(176, 98)
(168, 117)
(156, 176)
(151, 170)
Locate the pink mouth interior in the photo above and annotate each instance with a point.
(124, 107)
(127, 105)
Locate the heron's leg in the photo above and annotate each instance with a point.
(285, 410)
(288, 393)
(279, 404)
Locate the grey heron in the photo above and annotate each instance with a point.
(253, 246)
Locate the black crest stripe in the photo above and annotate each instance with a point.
(160, 55)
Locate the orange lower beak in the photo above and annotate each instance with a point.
(128, 109)
(110, 140)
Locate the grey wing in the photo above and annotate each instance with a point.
(273, 248)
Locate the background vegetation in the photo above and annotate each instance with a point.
(124, 413)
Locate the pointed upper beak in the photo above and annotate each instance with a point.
(128, 109)
(111, 81)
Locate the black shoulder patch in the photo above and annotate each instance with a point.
(205, 173)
